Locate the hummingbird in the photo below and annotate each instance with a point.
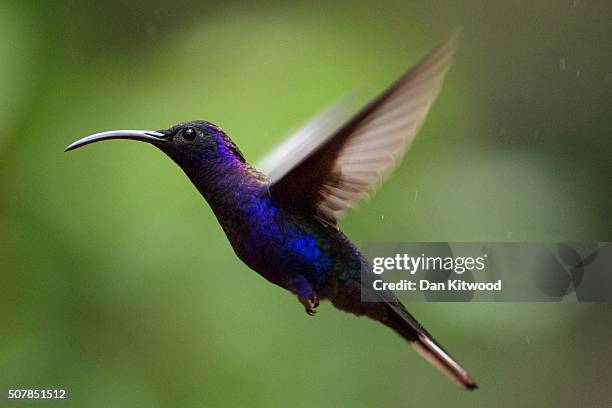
(284, 222)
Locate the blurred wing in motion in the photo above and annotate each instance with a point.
(330, 168)
(305, 140)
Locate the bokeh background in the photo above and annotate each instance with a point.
(118, 284)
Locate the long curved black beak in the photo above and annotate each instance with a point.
(149, 136)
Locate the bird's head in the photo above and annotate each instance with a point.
(191, 144)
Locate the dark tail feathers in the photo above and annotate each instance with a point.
(407, 326)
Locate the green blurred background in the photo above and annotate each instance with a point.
(118, 284)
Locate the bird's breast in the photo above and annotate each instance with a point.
(279, 244)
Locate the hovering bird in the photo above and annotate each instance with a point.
(283, 223)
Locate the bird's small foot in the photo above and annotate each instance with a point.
(310, 304)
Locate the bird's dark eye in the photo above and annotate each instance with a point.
(189, 134)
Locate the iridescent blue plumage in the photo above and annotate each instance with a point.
(287, 246)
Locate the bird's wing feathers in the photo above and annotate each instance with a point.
(330, 172)
(306, 139)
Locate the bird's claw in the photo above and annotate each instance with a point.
(310, 304)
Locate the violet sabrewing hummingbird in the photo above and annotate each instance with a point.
(283, 223)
